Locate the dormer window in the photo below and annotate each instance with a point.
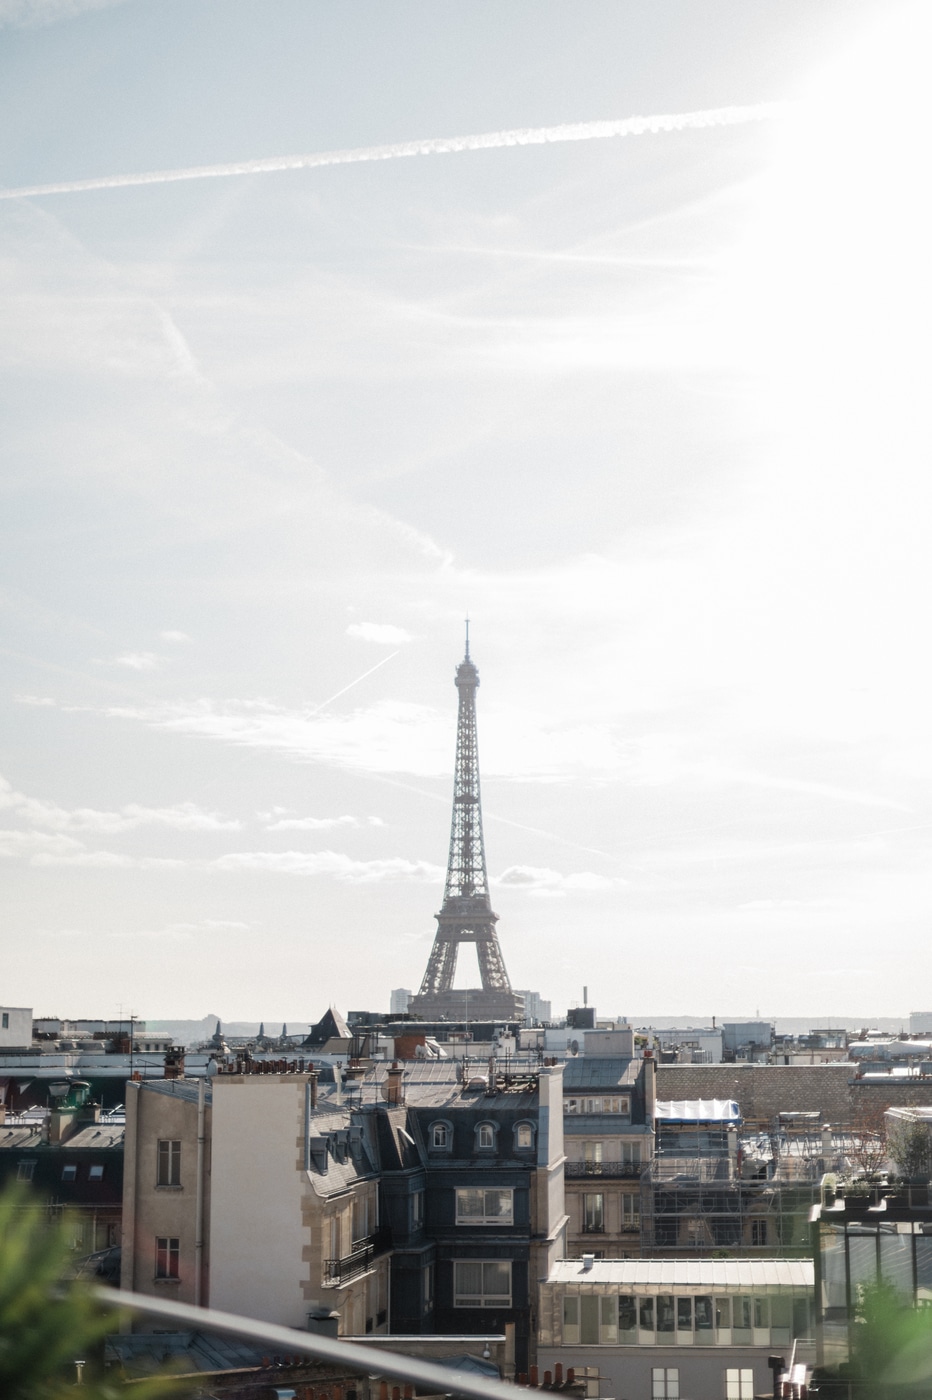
(486, 1135)
(440, 1136)
(524, 1137)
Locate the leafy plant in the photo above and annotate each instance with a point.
(46, 1324)
(910, 1146)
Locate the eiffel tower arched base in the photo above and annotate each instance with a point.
(467, 1004)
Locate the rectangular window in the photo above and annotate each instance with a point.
(168, 1163)
(593, 1213)
(69, 1173)
(25, 1171)
(665, 1312)
(703, 1314)
(167, 1257)
(646, 1314)
(6, 1020)
(627, 1317)
(485, 1136)
(481, 1283)
(761, 1312)
(608, 1322)
(570, 1319)
(759, 1232)
(684, 1314)
(741, 1313)
(665, 1383)
(592, 1156)
(417, 1210)
(484, 1206)
(723, 1313)
(739, 1383)
(630, 1212)
(631, 1154)
(95, 1173)
(570, 1105)
(428, 1277)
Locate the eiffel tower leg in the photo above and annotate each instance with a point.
(441, 966)
(492, 965)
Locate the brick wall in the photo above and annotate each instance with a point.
(763, 1091)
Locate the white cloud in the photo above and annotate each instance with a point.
(106, 860)
(183, 932)
(138, 660)
(171, 636)
(381, 632)
(552, 884)
(311, 823)
(334, 864)
(183, 816)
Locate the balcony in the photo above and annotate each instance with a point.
(359, 1259)
(618, 1170)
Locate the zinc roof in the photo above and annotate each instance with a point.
(685, 1273)
(600, 1072)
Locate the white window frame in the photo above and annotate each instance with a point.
(168, 1258)
(525, 1131)
(168, 1162)
(630, 1211)
(739, 1383)
(486, 1136)
(485, 1298)
(665, 1382)
(25, 1171)
(484, 1215)
(441, 1136)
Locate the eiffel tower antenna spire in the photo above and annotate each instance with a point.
(466, 915)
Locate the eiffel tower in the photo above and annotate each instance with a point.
(466, 913)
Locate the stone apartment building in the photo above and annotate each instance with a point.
(410, 1197)
(608, 1108)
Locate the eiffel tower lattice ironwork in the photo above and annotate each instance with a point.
(466, 915)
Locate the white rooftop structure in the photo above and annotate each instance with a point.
(708, 1274)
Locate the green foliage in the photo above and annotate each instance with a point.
(891, 1345)
(45, 1323)
(910, 1146)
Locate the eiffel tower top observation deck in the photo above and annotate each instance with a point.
(466, 914)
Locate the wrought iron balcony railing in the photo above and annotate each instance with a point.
(623, 1170)
(357, 1261)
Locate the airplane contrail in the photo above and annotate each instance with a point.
(324, 703)
(431, 146)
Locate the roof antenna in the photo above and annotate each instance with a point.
(467, 639)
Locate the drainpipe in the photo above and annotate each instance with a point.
(199, 1193)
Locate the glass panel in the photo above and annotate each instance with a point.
(742, 1311)
(498, 1205)
(646, 1314)
(923, 1267)
(673, 1384)
(761, 1312)
(896, 1262)
(589, 1319)
(684, 1314)
(781, 1311)
(468, 1278)
(862, 1260)
(608, 1321)
(665, 1313)
(497, 1280)
(627, 1313)
(703, 1314)
(723, 1312)
(571, 1319)
(833, 1269)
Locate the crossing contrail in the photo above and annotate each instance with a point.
(432, 146)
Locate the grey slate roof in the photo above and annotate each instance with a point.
(600, 1072)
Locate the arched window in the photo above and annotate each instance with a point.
(524, 1137)
(486, 1136)
(441, 1136)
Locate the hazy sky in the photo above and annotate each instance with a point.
(652, 409)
